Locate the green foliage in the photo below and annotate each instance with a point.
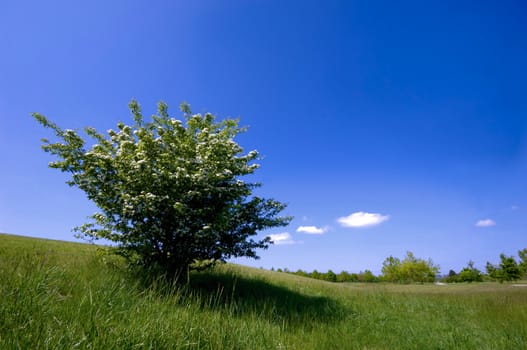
(367, 276)
(353, 277)
(330, 276)
(452, 277)
(391, 269)
(302, 273)
(507, 270)
(169, 191)
(316, 275)
(470, 274)
(409, 270)
(467, 274)
(345, 276)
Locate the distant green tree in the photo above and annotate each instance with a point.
(344, 276)
(451, 277)
(507, 270)
(470, 274)
(391, 269)
(409, 270)
(302, 273)
(330, 276)
(367, 276)
(494, 272)
(354, 277)
(170, 192)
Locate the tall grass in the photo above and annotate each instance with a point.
(57, 295)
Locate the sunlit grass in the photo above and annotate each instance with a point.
(57, 295)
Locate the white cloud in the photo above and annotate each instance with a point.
(313, 230)
(515, 207)
(282, 238)
(362, 219)
(486, 223)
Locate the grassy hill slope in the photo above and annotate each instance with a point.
(61, 295)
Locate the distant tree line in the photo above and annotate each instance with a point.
(509, 269)
(330, 276)
(416, 270)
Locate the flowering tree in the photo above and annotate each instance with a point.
(169, 191)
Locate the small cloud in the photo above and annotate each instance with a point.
(282, 238)
(486, 223)
(362, 219)
(515, 207)
(312, 230)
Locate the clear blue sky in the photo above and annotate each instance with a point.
(410, 115)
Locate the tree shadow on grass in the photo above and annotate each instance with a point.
(240, 295)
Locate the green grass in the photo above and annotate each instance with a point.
(58, 295)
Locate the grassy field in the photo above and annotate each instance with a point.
(57, 295)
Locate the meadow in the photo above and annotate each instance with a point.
(63, 295)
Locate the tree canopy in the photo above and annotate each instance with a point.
(507, 270)
(170, 192)
(410, 269)
(468, 274)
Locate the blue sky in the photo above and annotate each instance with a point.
(386, 126)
